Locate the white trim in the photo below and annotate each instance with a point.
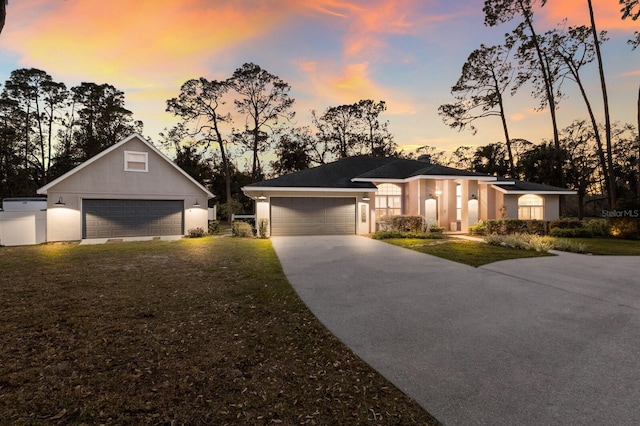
(502, 182)
(419, 177)
(134, 153)
(45, 188)
(303, 189)
(536, 192)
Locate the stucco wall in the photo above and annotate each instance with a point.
(22, 227)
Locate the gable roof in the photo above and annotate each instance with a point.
(45, 188)
(360, 173)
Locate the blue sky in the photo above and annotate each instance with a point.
(406, 52)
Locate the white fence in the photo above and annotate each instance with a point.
(19, 228)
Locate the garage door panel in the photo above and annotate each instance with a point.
(131, 218)
(313, 216)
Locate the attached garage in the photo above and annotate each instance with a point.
(131, 218)
(313, 215)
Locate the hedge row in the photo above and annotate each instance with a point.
(627, 228)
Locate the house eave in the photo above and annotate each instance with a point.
(523, 191)
(419, 177)
(249, 188)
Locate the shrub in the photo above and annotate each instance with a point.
(385, 235)
(263, 228)
(516, 226)
(434, 228)
(195, 232)
(568, 223)
(402, 223)
(598, 227)
(241, 229)
(479, 228)
(570, 233)
(568, 245)
(214, 227)
(624, 227)
(541, 243)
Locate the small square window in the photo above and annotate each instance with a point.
(136, 161)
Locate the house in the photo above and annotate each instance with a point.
(349, 196)
(130, 189)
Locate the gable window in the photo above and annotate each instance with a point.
(388, 200)
(530, 207)
(135, 161)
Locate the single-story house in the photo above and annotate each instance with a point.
(131, 189)
(349, 196)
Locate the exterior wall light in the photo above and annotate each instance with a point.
(262, 198)
(473, 197)
(196, 204)
(60, 202)
(438, 192)
(365, 198)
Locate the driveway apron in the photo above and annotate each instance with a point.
(526, 342)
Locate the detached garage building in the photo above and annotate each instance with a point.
(129, 190)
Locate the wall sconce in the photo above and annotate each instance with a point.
(365, 198)
(60, 202)
(438, 192)
(262, 198)
(473, 197)
(196, 204)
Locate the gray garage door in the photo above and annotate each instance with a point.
(312, 216)
(131, 218)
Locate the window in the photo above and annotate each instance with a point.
(458, 202)
(136, 161)
(530, 207)
(388, 200)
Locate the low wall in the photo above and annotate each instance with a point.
(20, 228)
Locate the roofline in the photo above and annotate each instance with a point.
(45, 188)
(304, 189)
(522, 191)
(417, 177)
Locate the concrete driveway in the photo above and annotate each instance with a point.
(521, 342)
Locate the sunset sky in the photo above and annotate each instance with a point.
(332, 52)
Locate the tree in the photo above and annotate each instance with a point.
(575, 48)
(530, 50)
(378, 139)
(293, 151)
(486, 76)
(3, 13)
(631, 9)
(338, 129)
(537, 164)
(491, 159)
(102, 119)
(264, 100)
(200, 106)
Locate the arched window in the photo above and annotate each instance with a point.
(530, 207)
(388, 200)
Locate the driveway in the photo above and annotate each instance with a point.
(526, 342)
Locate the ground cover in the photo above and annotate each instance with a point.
(200, 331)
(610, 246)
(474, 253)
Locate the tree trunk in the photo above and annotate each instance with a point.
(512, 168)
(607, 117)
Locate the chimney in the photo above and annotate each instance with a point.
(425, 158)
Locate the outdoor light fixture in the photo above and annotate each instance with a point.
(60, 202)
(365, 198)
(262, 198)
(196, 204)
(438, 192)
(473, 196)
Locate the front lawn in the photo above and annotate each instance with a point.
(610, 246)
(472, 253)
(200, 331)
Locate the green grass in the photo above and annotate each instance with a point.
(463, 251)
(610, 246)
(200, 331)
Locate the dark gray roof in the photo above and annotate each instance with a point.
(333, 175)
(341, 173)
(402, 168)
(518, 185)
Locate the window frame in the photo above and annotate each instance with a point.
(389, 200)
(135, 154)
(533, 211)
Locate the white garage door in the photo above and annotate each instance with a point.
(313, 216)
(131, 218)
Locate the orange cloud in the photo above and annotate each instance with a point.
(606, 12)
